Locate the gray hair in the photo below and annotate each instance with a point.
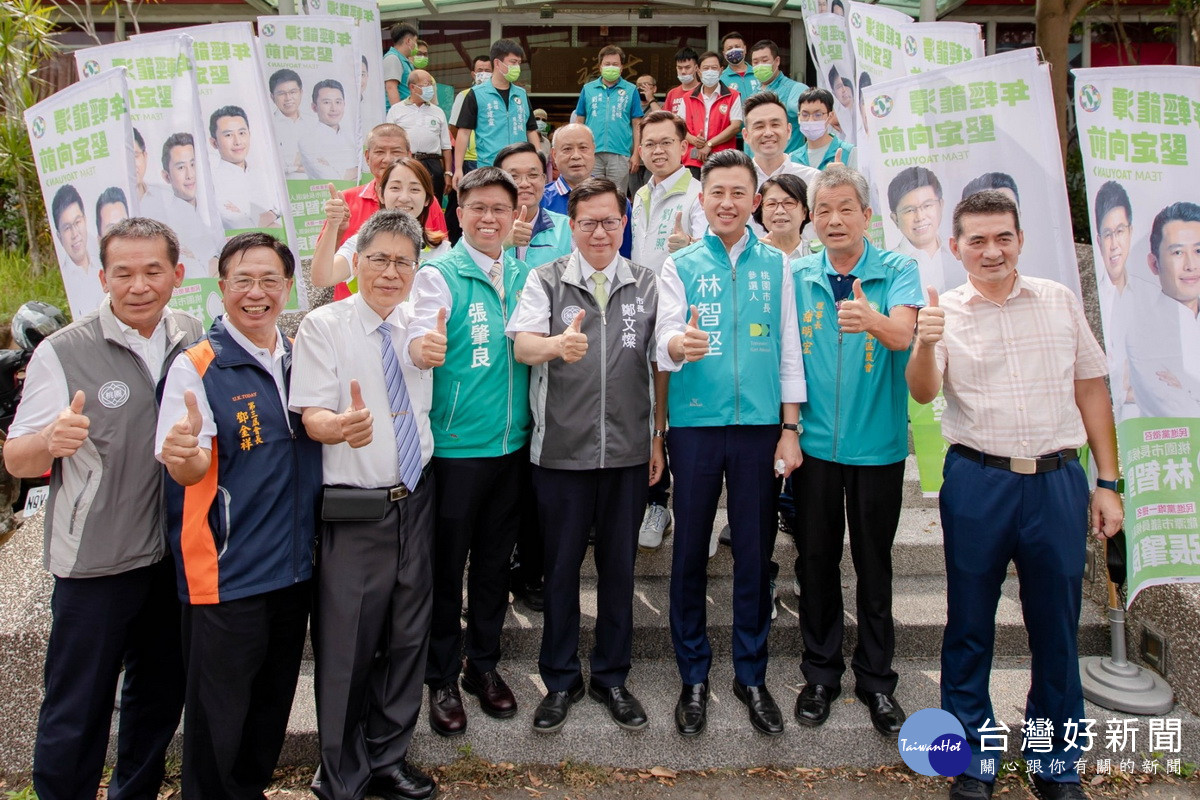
(398, 223)
(140, 228)
(836, 175)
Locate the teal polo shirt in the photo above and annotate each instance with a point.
(801, 156)
(857, 407)
(609, 112)
(746, 84)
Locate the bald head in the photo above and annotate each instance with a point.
(574, 152)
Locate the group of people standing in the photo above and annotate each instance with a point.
(525, 388)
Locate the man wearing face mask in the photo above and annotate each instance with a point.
(481, 71)
(612, 108)
(397, 64)
(713, 115)
(737, 72)
(816, 123)
(420, 57)
(765, 61)
(687, 66)
(427, 129)
(496, 109)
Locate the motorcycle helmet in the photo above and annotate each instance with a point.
(34, 321)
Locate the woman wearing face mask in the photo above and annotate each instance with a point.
(783, 214)
(713, 115)
(427, 129)
(406, 187)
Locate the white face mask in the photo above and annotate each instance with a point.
(709, 77)
(685, 78)
(482, 77)
(427, 94)
(813, 130)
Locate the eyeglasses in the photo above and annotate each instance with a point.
(1113, 233)
(771, 206)
(664, 144)
(925, 208)
(378, 262)
(268, 283)
(527, 177)
(481, 210)
(589, 225)
(813, 116)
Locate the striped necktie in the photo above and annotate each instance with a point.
(408, 437)
(600, 292)
(497, 276)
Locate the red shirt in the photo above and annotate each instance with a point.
(674, 101)
(718, 115)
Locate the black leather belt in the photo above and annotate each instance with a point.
(1018, 464)
(427, 156)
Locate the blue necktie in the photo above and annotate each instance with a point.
(408, 437)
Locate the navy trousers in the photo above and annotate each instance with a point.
(98, 625)
(742, 456)
(990, 517)
(571, 502)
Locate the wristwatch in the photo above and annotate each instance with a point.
(659, 434)
(1117, 486)
(792, 426)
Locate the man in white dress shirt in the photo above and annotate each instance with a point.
(329, 150)
(287, 93)
(243, 195)
(199, 244)
(81, 268)
(915, 198)
(425, 124)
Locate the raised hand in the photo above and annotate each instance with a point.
(856, 315)
(695, 341)
(522, 230)
(931, 320)
(356, 421)
(68, 433)
(430, 349)
(573, 342)
(679, 237)
(337, 213)
(182, 443)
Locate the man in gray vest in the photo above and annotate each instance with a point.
(88, 415)
(586, 323)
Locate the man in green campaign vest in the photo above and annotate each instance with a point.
(496, 111)
(481, 423)
(727, 331)
(857, 307)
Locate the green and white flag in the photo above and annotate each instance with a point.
(82, 147)
(239, 143)
(833, 54)
(174, 182)
(312, 76)
(369, 40)
(878, 43)
(1139, 132)
(929, 45)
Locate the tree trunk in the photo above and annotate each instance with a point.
(1054, 21)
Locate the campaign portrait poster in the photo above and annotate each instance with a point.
(834, 57)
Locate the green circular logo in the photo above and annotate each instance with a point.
(882, 106)
(267, 30)
(90, 68)
(1089, 98)
(38, 127)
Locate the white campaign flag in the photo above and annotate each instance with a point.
(174, 180)
(937, 137)
(929, 45)
(833, 54)
(365, 13)
(83, 149)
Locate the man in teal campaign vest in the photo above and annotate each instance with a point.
(612, 108)
(765, 60)
(496, 111)
(816, 124)
(538, 235)
(857, 306)
(397, 63)
(727, 332)
(481, 425)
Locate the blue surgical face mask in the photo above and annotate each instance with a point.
(709, 77)
(427, 93)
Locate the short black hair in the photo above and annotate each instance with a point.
(402, 29)
(181, 139)
(989, 201)
(662, 115)
(1176, 212)
(249, 241)
(793, 186)
(140, 228)
(729, 158)
(481, 57)
(482, 178)
(593, 187)
(686, 54)
(519, 147)
(991, 180)
(328, 83)
(763, 98)
(502, 48)
(283, 76)
(225, 111)
(66, 196)
(910, 179)
(732, 35)
(707, 54)
(837, 4)
(1112, 195)
(113, 194)
(765, 44)
(816, 95)
(137, 137)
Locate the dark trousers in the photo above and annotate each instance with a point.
(529, 556)
(742, 455)
(660, 492)
(98, 624)
(243, 659)
(827, 496)
(991, 517)
(452, 223)
(478, 513)
(571, 502)
(437, 171)
(370, 634)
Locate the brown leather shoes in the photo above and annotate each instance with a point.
(446, 714)
(495, 698)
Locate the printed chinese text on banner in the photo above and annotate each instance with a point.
(834, 57)
(1139, 131)
(929, 45)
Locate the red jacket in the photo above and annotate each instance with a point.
(718, 120)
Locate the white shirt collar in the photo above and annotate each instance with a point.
(482, 260)
(661, 186)
(586, 270)
(367, 317)
(129, 331)
(250, 347)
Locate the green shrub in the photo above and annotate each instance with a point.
(21, 285)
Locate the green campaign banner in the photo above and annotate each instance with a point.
(833, 54)
(929, 45)
(1139, 133)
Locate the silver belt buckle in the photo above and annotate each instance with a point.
(397, 493)
(1023, 466)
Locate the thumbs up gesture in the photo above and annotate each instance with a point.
(522, 230)
(337, 213)
(356, 422)
(182, 443)
(855, 314)
(931, 320)
(679, 237)
(429, 351)
(68, 433)
(573, 342)
(693, 341)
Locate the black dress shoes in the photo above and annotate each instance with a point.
(552, 712)
(404, 782)
(812, 706)
(623, 707)
(446, 714)
(1050, 790)
(886, 714)
(764, 713)
(532, 595)
(691, 712)
(495, 698)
